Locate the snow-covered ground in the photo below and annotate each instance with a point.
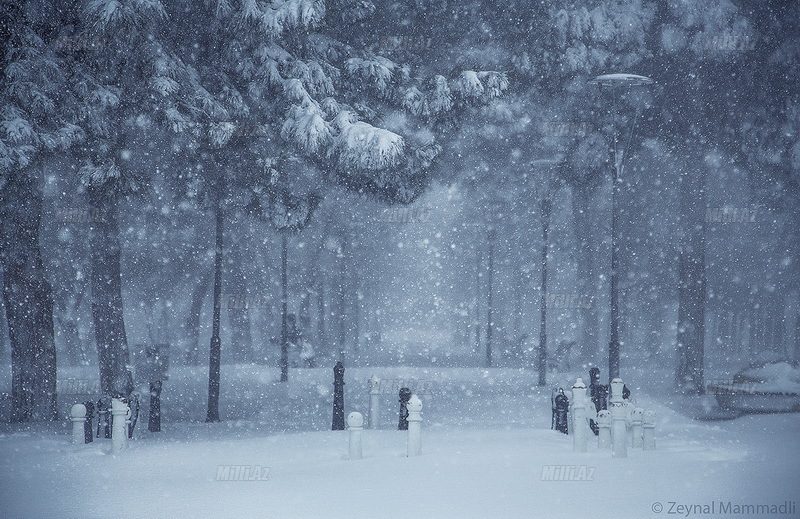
(488, 451)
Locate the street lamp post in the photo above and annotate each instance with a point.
(616, 81)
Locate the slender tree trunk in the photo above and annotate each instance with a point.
(355, 294)
(342, 296)
(477, 314)
(284, 308)
(106, 283)
(192, 323)
(321, 310)
(489, 301)
(547, 207)
(28, 301)
(3, 323)
(692, 280)
(585, 231)
(215, 353)
(241, 347)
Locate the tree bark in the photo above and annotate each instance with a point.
(241, 347)
(284, 308)
(192, 324)
(106, 283)
(585, 233)
(489, 302)
(28, 301)
(215, 351)
(692, 280)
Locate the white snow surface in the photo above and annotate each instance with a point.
(486, 446)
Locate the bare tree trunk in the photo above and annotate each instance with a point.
(215, 353)
(547, 208)
(192, 324)
(489, 302)
(342, 297)
(587, 275)
(3, 323)
(321, 310)
(284, 308)
(241, 342)
(106, 283)
(28, 301)
(478, 316)
(692, 280)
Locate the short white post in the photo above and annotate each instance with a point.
(78, 416)
(119, 432)
(374, 402)
(604, 429)
(637, 415)
(414, 407)
(579, 424)
(619, 429)
(355, 423)
(649, 431)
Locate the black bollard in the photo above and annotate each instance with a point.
(338, 397)
(405, 396)
(154, 418)
(560, 404)
(88, 429)
(104, 417)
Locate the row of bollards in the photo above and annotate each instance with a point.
(120, 423)
(410, 416)
(116, 418)
(617, 428)
(338, 421)
(355, 424)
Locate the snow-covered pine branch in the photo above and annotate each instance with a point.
(278, 16)
(106, 14)
(361, 146)
(414, 101)
(306, 127)
(441, 98)
(377, 72)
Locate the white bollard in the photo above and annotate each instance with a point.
(78, 416)
(649, 431)
(604, 429)
(414, 407)
(355, 423)
(374, 402)
(619, 428)
(579, 423)
(119, 429)
(636, 427)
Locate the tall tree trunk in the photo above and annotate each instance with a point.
(692, 279)
(106, 283)
(241, 347)
(321, 345)
(284, 308)
(489, 301)
(477, 312)
(191, 326)
(342, 297)
(3, 324)
(585, 233)
(547, 208)
(28, 301)
(215, 351)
